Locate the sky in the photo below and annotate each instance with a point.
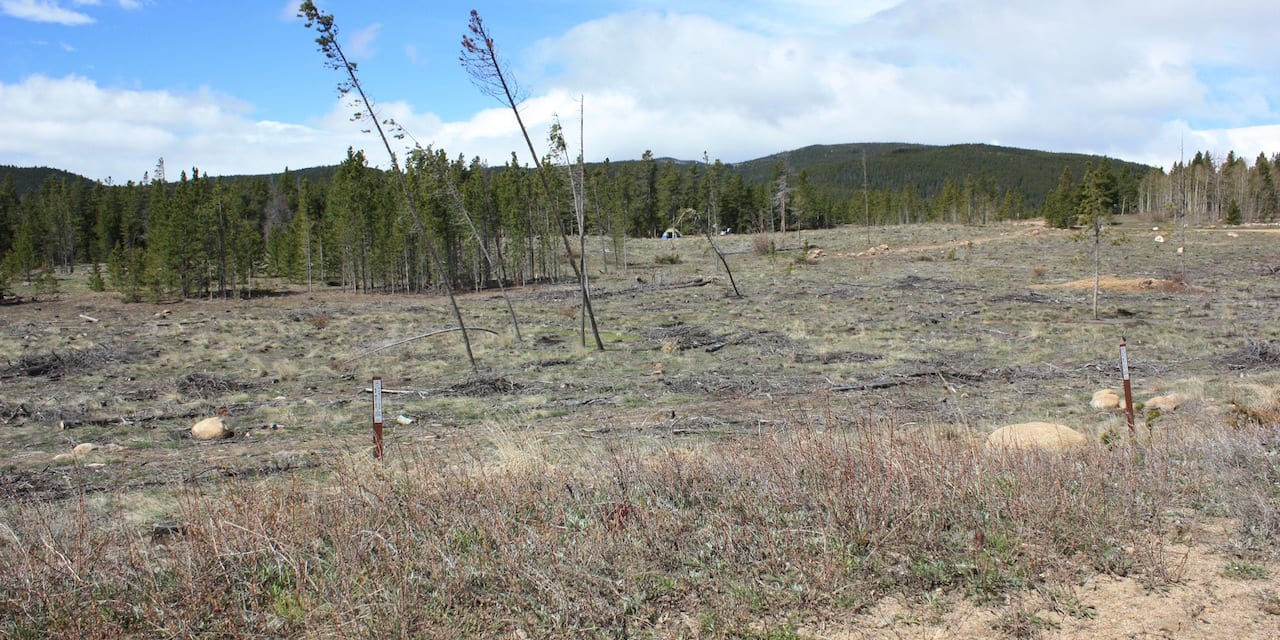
(106, 88)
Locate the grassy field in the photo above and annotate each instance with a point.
(804, 461)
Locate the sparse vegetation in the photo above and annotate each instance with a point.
(728, 468)
(1245, 570)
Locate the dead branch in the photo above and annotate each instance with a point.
(411, 339)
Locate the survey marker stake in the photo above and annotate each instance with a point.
(377, 418)
(1128, 387)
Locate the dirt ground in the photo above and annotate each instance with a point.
(1203, 603)
(951, 328)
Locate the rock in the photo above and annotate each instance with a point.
(1159, 239)
(62, 457)
(84, 449)
(1165, 403)
(211, 429)
(1036, 435)
(1106, 400)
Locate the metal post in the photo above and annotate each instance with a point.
(1128, 388)
(377, 418)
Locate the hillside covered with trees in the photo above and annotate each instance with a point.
(346, 225)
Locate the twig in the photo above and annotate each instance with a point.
(398, 392)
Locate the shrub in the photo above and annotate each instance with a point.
(762, 245)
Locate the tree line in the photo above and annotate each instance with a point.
(1203, 191)
(202, 236)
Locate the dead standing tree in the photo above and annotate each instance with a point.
(327, 40)
(709, 224)
(480, 59)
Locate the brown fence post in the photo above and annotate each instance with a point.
(1128, 387)
(377, 418)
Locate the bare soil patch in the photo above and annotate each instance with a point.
(1133, 285)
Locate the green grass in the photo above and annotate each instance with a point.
(1245, 570)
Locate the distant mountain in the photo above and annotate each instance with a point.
(836, 169)
(27, 179)
(892, 165)
(314, 174)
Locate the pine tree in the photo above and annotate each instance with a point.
(1094, 212)
(1061, 205)
(9, 203)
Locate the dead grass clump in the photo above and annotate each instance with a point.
(1240, 464)
(762, 245)
(203, 385)
(484, 386)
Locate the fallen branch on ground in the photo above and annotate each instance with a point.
(400, 342)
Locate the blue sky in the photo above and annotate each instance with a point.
(106, 87)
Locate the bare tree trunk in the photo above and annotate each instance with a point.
(328, 42)
(1097, 261)
(480, 58)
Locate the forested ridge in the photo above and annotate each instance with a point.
(346, 225)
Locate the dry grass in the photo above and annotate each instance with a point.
(626, 541)
(727, 468)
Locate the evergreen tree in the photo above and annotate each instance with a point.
(1265, 187)
(1062, 204)
(647, 222)
(1094, 212)
(9, 203)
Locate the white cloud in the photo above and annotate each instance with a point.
(289, 11)
(72, 123)
(1038, 75)
(43, 11)
(360, 44)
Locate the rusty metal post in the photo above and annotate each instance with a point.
(377, 418)
(1128, 387)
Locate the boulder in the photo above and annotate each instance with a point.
(84, 449)
(1164, 403)
(1036, 435)
(211, 429)
(1106, 400)
(1160, 239)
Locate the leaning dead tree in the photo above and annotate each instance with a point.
(708, 225)
(480, 59)
(327, 40)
